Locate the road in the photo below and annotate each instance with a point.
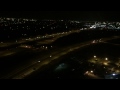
(26, 70)
(92, 75)
(40, 40)
(23, 46)
(46, 59)
(36, 38)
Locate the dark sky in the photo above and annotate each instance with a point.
(77, 15)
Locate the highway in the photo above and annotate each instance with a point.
(23, 43)
(23, 46)
(39, 62)
(37, 38)
(44, 59)
(112, 43)
(40, 40)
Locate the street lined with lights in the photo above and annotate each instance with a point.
(41, 42)
(46, 60)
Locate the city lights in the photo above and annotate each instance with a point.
(55, 48)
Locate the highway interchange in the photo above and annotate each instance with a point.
(46, 55)
(23, 46)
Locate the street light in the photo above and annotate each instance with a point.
(106, 59)
(95, 56)
(113, 74)
(91, 71)
(87, 72)
(39, 61)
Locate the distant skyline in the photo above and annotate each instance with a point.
(72, 15)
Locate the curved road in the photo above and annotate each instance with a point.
(45, 60)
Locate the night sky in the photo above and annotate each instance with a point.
(72, 15)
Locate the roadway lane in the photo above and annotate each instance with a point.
(46, 40)
(56, 53)
(36, 38)
(46, 60)
(16, 51)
